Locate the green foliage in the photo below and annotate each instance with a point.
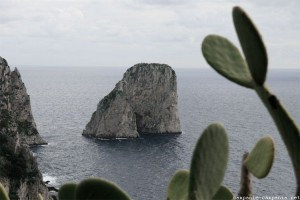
(227, 60)
(67, 191)
(26, 128)
(13, 164)
(92, 189)
(222, 55)
(40, 197)
(252, 45)
(207, 171)
(106, 101)
(260, 159)
(3, 194)
(178, 187)
(6, 119)
(223, 194)
(209, 163)
(288, 129)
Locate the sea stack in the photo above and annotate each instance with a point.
(144, 101)
(14, 97)
(19, 173)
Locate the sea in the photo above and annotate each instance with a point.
(64, 98)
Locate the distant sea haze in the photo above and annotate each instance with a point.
(63, 100)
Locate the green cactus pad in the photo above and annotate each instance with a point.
(252, 45)
(223, 194)
(260, 159)
(67, 191)
(178, 187)
(40, 197)
(3, 194)
(209, 163)
(98, 189)
(226, 59)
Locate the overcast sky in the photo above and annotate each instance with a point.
(126, 32)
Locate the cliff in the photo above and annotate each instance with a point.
(14, 97)
(144, 101)
(19, 172)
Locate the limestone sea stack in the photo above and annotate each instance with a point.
(144, 101)
(19, 173)
(14, 97)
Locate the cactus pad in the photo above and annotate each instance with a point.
(223, 194)
(252, 45)
(178, 187)
(94, 189)
(209, 163)
(260, 159)
(226, 59)
(67, 191)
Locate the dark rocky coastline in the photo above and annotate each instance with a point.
(19, 173)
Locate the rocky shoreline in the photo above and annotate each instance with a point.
(19, 173)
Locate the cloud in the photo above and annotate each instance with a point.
(168, 31)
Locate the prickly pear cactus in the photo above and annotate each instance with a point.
(67, 191)
(97, 189)
(223, 193)
(225, 58)
(252, 45)
(40, 197)
(259, 161)
(178, 187)
(3, 194)
(209, 163)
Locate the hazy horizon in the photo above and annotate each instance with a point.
(124, 33)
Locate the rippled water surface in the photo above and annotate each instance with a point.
(63, 100)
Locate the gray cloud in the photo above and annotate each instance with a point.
(96, 32)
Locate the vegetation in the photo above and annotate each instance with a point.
(204, 179)
(251, 72)
(106, 101)
(26, 128)
(3, 194)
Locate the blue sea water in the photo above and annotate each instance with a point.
(64, 98)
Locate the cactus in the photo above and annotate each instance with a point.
(260, 159)
(226, 60)
(209, 163)
(67, 191)
(223, 194)
(246, 184)
(224, 57)
(94, 189)
(178, 187)
(3, 194)
(40, 197)
(252, 45)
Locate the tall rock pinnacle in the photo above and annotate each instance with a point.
(144, 101)
(14, 98)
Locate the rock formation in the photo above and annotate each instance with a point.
(19, 172)
(14, 97)
(144, 101)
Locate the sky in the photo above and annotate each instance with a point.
(115, 33)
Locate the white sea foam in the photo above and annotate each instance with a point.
(51, 179)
